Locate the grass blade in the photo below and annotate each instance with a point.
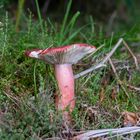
(64, 22)
(39, 15)
(73, 35)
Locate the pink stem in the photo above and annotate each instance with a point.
(65, 79)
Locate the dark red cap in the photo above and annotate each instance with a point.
(70, 54)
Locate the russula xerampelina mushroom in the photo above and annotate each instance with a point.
(62, 58)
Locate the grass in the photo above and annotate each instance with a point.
(22, 79)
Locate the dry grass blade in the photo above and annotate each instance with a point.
(137, 89)
(107, 132)
(117, 77)
(132, 54)
(95, 51)
(54, 138)
(14, 99)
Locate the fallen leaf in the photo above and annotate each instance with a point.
(105, 80)
(130, 118)
(102, 95)
(114, 93)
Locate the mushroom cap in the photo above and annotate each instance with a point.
(70, 54)
(33, 53)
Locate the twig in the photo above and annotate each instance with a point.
(133, 87)
(89, 70)
(107, 132)
(117, 77)
(45, 7)
(134, 57)
(102, 63)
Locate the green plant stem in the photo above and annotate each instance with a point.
(65, 21)
(35, 86)
(20, 9)
(39, 15)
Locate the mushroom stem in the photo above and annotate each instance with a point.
(65, 79)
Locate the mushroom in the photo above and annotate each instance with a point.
(62, 58)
